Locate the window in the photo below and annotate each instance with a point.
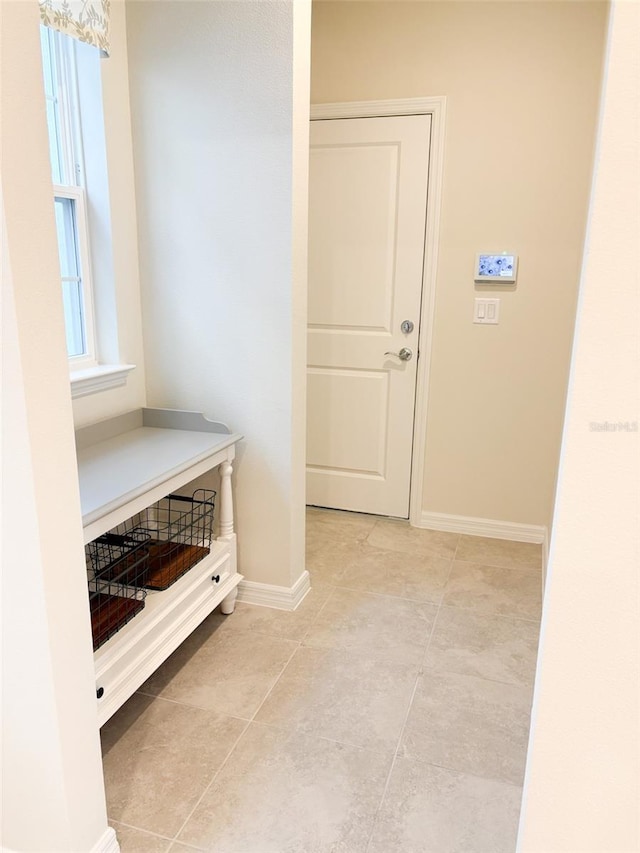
(77, 149)
(67, 169)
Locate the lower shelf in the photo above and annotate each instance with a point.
(109, 613)
(168, 561)
(129, 657)
(122, 584)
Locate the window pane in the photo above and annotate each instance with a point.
(47, 67)
(54, 148)
(71, 279)
(72, 299)
(53, 105)
(67, 244)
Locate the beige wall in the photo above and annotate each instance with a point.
(582, 789)
(522, 84)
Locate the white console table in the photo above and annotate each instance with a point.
(126, 464)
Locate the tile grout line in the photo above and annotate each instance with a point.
(270, 690)
(140, 829)
(404, 726)
(232, 750)
(452, 672)
(421, 601)
(421, 670)
(511, 568)
(317, 616)
(492, 565)
(415, 685)
(298, 644)
(188, 846)
(422, 762)
(391, 766)
(316, 736)
(455, 553)
(489, 614)
(208, 786)
(480, 613)
(190, 705)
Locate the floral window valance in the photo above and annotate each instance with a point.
(85, 20)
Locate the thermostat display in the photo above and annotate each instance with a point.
(500, 268)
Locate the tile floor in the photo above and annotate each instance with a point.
(388, 714)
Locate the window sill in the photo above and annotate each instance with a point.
(100, 378)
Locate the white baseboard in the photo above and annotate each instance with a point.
(269, 595)
(108, 843)
(489, 527)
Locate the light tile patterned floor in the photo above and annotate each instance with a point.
(388, 714)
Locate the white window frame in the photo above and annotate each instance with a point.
(88, 373)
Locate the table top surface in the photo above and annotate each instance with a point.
(118, 469)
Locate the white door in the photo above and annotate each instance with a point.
(367, 210)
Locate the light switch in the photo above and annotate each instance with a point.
(486, 311)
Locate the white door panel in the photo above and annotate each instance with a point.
(349, 251)
(368, 186)
(332, 392)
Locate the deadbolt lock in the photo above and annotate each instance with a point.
(406, 326)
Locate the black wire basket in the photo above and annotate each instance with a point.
(178, 532)
(114, 564)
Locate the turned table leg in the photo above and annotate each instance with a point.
(226, 500)
(228, 603)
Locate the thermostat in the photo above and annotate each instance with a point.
(500, 268)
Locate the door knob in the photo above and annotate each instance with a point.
(405, 354)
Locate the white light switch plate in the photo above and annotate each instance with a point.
(486, 311)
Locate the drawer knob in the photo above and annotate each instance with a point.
(100, 692)
(216, 578)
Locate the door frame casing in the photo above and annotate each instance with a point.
(436, 108)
